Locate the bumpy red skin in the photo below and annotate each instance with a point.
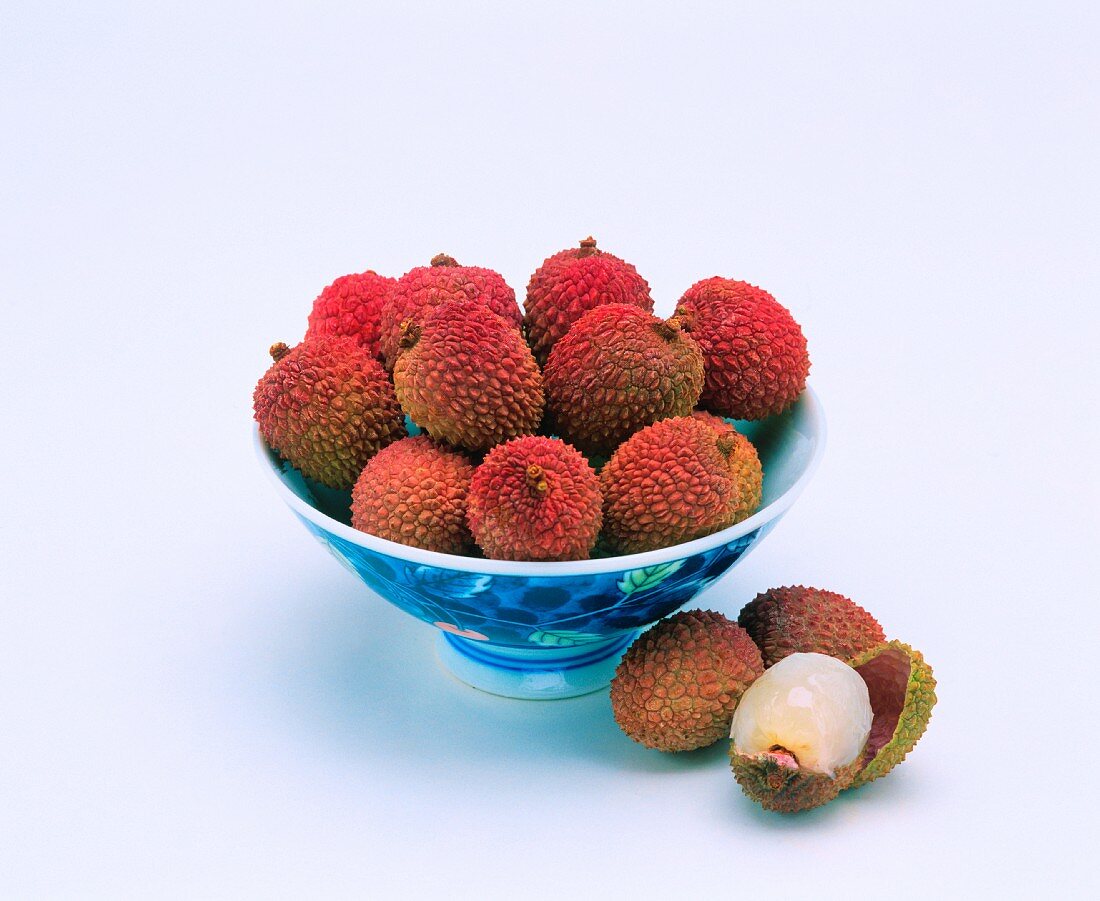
(785, 621)
(414, 492)
(746, 464)
(569, 284)
(755, 352)
(535, 498)
(352, 307)
(421, 289)
(667, 484)
(327, 406)
(617, 370)
(469, 379)
(677, 686)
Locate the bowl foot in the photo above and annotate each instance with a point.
(533, 673)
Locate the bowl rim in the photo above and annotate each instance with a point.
(621, 563)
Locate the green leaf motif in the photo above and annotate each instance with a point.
(562, 639)
(647, 577)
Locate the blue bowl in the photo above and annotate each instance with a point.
(553, 630)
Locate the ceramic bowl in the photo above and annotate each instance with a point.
(553, 630)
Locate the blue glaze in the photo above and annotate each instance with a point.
(522, 629)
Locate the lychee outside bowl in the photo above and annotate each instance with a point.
(553, 630)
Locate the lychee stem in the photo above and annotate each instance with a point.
(536, 480)
(278, 350)
(725, 444)
(588, 247)
(410, 334)
(782, 756)
(442, 259)
(667, 330)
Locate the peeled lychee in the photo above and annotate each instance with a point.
(467, 377)
(351, 307)
(671, 482)
(784, 621)
(570, 283)
(414, 492)
(799, 731)
(678, 684)
(754, 351)
(535, 498)
(327, 406)
(617, 370)
(421, 289)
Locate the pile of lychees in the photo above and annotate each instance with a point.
(812, 696)
(582, 420)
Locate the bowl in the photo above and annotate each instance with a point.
(553, 630)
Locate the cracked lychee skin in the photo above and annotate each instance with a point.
(351, 307)
(678, 684)
(421, 289)
(745, 462)
(535, 498)
(467, 377)
(617, 370)
(754, 351)
(572, 282)
(327, 406)
(903, 693)
(414, 492)
(797, 619)
(671, 482)
(777, 783)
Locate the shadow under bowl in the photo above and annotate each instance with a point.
(553, 630)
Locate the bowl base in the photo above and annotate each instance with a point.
(536, 674)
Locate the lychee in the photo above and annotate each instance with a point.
(784, 621)
(467, 377)
(745, 462)
(617, 370)
(421, 289)
(570, 283)
(678, 684)
(754, 351)
(327, 406)
(799, 731)
(535, 498)
(671, 482)
(414, 492)
(351, 307)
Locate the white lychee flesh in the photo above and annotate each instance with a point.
(809, 706)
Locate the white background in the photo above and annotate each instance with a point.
(195, 701)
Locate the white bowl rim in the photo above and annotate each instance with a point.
(524, 568)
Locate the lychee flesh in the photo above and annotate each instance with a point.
(618, 369)
(351, 307)
(467, 377)
(414, 492)
(422, 289)
(809, 707)
(535, 498)
(572, 282)
(754, 350)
